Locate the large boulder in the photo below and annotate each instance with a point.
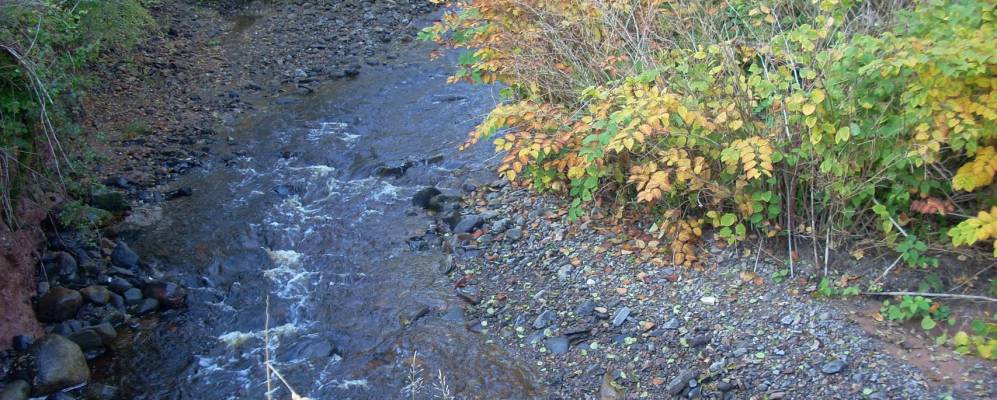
(57, 363)
(59, 304)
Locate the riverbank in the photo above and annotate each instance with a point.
(604, 320)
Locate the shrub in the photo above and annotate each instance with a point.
(44, 49)
(788, 118)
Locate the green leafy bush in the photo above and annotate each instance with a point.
(45, 47)
(822, 119)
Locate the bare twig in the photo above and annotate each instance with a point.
(927, 294)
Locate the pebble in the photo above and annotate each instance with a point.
(545, 318)
(677, 384)
(671, 324)
(96, 294)
(470, 294)
(514, 234)
(132, 296)
(469, 223)
(833, 367)
(621, 316)
(557, 345)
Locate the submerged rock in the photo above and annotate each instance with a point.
(168, 294)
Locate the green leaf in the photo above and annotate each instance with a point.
(927, 323)
(961, 339)
(843, 134)
(728, 219)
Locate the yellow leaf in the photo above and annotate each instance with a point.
(809, 109)
(817, 96)
(736, 124)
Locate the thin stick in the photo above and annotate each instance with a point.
(926, 294)
(266, 349)
(895, 224)
(888, 269)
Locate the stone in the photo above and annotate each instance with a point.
(59, 304)
(557, 345)
(60, 396)
(545, 318)
(168, 294)
(469, 223)
(109, 200)
(64, 265)
(833, 367)
(608, 390)
(725, 386)
(412, 313)
(700, 340)
(678, 384)
(470, 294)
(422, 197)
(586, 308)
(106, 331)
(58, 364)
(123, 256)
(621, 316)
(671, 324)
(147, 306)
(119, 285)
(96, 294)
(16, 390)
(132, 296)
(514, 234)
(87, 339)
(21, 343)
(100, 391)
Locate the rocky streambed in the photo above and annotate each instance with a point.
(303, 206)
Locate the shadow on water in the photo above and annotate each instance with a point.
(294, 210)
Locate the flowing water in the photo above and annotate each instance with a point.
(296, 211)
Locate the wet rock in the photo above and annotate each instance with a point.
(64, 265)
(100, 391)
(469, 223)
(106, 332)
(68, 327)
(60, 396)
(443, 203)
(308, 350)
(413, 313)
(147, 306)
(132, 296)
(21, 343)
(545, 318)
(621, 316)
(557, 345)
(470, 294)
(119, 285)
(87, 339)
(470, 185)
(678, 384)
(833, 367)
(96, 294)
(123, 256)
(422, 197)
(168, 294)
(514, 234)
(59, 304)
(182, 192)
(16, 390)
(577, 332)
(725, 386)
(58, 363)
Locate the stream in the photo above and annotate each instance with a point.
(294, 212)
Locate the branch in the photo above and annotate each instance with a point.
(924, 294)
